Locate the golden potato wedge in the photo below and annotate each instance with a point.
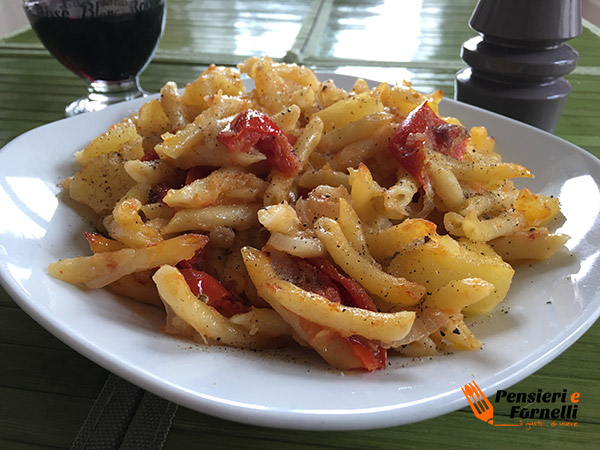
(101, 182)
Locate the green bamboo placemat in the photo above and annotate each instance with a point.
(48, 389)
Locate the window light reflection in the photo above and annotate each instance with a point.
(35, 195)
(14, 220)
(586, 267)
(19, 273)
(580, 204)
(272, 40)
(388, 31)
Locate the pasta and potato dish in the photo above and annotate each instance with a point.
(299, 213)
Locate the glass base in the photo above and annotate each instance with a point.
(103, 94)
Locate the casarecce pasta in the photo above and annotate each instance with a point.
(355, 223)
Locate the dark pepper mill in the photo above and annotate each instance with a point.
(518, 62)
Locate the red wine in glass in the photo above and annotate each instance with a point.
(108, 43)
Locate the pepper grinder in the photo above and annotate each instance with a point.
(518, 61)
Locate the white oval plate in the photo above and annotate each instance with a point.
(550, 304)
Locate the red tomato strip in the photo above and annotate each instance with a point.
(320, 276)
(201, 283)
(420, 128)
(158, 192)
(318, 282)
(372, 357)
(200, 260)
(252, 128)
(196, 173)
(150, 155)
(356, 294)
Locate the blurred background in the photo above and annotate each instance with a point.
(384, 40)
(13, 19)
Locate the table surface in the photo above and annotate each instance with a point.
(47, 389)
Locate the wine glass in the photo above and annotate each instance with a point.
(107, 43)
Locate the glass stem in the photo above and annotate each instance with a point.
(105, 93)
(109, 92)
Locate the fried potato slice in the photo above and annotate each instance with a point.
(101, 182)
(533, 244)
(350, 110)
(457, 294)
(212, 80)
(439, 260)
(121, 138)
